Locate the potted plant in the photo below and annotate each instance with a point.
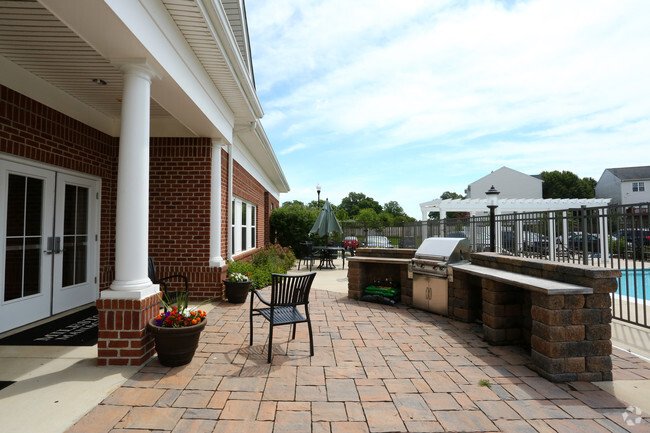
(237, 287)
(176, 331)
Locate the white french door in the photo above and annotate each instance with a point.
(48, 243)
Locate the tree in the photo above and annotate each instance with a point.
(369, 218)
(355, 201)
(394, 209)
(566, 184)
(291, 224)
(447, 195)
(293, 203)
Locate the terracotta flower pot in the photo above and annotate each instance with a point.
(176, 346)
(236, 292)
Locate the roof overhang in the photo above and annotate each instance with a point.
(53, 49)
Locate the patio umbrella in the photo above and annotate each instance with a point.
(326, 222)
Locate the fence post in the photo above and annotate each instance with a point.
(583, 220)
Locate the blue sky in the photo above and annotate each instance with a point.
(405, 100)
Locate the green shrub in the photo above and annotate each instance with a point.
(272, 259)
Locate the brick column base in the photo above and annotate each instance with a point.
(123, 336)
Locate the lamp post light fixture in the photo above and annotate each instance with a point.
(493, 200)
(318, 191)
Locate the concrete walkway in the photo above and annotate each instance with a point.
(376, 368)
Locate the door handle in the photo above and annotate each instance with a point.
(53, 245)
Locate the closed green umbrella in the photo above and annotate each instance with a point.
(326, 222)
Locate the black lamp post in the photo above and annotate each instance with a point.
(318, 191)
(493, 197)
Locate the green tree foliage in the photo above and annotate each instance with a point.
(369, 218)
(356, 201)
(566, 184)
(291, 224)
(393, 208)
(447, 195)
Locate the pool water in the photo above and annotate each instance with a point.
(632, 278)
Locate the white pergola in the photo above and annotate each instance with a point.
(479, 206)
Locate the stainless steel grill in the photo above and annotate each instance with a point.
(431, 272)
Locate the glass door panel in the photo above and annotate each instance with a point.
(74, 278)
(26, 198)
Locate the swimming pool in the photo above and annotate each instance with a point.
(632, 278)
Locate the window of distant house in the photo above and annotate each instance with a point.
(243, 226)
(638, 186)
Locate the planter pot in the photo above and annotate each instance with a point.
(176, 346)
(236, 292)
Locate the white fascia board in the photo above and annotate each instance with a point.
(155, 29)
(275, 170)
(28, 84)
(219, 25)
(243, 156)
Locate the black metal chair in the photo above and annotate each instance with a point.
(307, 254)
(288, 292)
(170, 297)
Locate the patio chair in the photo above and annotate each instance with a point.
(288, 292)
(170, 297)
(307, 254)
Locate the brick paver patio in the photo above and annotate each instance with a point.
(376, 368)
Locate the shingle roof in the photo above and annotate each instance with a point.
(631, 173)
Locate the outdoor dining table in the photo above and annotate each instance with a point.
(327, 255)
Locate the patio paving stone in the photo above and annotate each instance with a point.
(465, 421)
(376, 368)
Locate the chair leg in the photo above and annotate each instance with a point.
(251, 319)
(311, 337)
(293, 337)
(270, 342)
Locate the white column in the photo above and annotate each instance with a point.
(132, 206)
(230, 206)
(215, 206)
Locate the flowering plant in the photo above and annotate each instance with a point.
(180, 315)
(237, 277)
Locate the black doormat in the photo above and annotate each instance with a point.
(77, 329)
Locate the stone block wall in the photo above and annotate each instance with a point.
(569, 334)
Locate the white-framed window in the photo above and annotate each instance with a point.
(638, 186)
(243, 224)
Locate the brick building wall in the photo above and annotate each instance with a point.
(31, 130)
(180, 190)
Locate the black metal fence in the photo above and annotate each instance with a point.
(615, 237)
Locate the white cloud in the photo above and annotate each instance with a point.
(455, 88)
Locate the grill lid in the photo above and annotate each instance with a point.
(450, 250)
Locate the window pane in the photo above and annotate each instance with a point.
(33, 207)
(253, 211)
(233, 240)
(16, 205)
(232, 210)
(14, 269)
(82, 211)
(243, 214)
(253, 237)
(68, 260)
(70, 209)
(32, 266)
(81, 252)
(243, 238)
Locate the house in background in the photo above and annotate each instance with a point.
(625, 185)
(128, 130)
(510, 184)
